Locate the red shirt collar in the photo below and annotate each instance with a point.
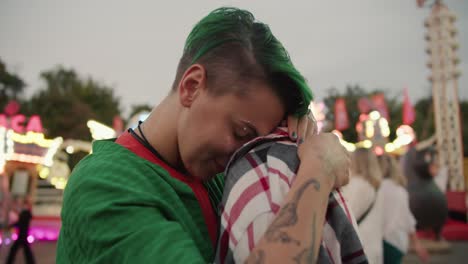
(128, 141)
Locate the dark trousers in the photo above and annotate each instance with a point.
(26, 249)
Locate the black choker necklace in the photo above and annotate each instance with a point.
(145, 141)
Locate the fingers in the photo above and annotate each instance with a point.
(345, 171)
(292, 127)
(313, 123)
(329, 149)
(342, 174)
(302, 129)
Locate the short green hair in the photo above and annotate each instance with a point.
(234, 47)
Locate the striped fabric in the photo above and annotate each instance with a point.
(258, 177)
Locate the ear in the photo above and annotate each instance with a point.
(193, 82)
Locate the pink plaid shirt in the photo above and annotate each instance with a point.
(257, 179)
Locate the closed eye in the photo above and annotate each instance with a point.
(244, 132)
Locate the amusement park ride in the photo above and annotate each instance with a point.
(373, 131)
(373, 128)
(443, 60)
(36, 168)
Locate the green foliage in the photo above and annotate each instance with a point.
(135, 109)
(11, 85)
(424, 124)
(351, 95)
(67, 102)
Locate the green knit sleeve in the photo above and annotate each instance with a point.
(128, 235)
(128, 212)
(138, 235)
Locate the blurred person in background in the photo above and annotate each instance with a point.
(150, 195)
(24, 220)
(399, 222)
(427, 202)
(366, 202)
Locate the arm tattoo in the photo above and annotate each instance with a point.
(288, 216)
(257, 258)
(307, 255)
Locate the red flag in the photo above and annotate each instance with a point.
(420, 3)
(380, 105)
(341, 115)
(409, 114)
(364, 105)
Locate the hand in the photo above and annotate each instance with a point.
(325, 153)
(421, 252)
(299, 127)
(324, 149)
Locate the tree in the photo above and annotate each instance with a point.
(424, 125)
(68, 101)
(11, 85)
(351, 95)
(138, 108)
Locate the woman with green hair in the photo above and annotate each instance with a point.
(151, 194)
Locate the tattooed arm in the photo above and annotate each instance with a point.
(295, 234)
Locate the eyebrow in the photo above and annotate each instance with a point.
(251, 126)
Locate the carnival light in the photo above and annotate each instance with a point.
(30, 239)
(369, 124)
(2, 147)
(405, 135)
(70, 149)
(384, 128)
(26, 158)
(41, 233)
(379, 150)
(31, 138)
(60, 183)
(374, 115)
(348, 146)
(10, 143)
(44, 172)
(367, 143)
(49, 157)
(54, 180)
(77, 145)
(100, 131)
(390, 147)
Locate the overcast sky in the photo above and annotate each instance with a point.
(134, 46)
